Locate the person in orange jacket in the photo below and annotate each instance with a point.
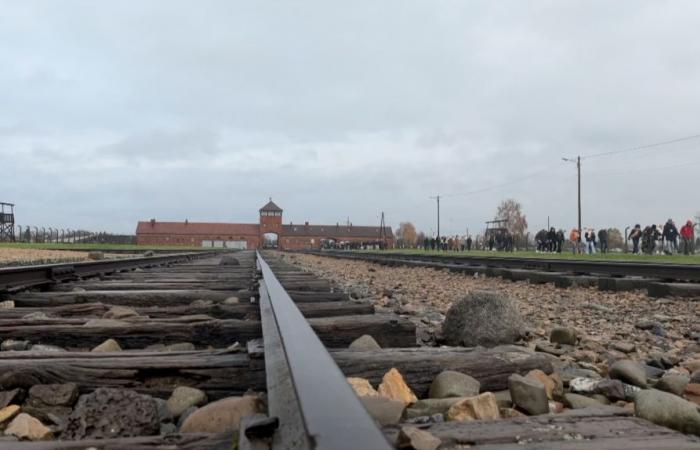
(575, 237)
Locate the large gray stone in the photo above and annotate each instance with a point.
(528, 394)
(667, 410)
(449, 383)
(486, 318)
(111, 413)
(629, 371)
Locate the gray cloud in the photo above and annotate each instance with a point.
(164, 109)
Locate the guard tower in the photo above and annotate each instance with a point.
(270, 225)
(7, 222)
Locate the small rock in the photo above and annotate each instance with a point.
(576, 401)
(545, 348)
(232, 301)
(8, 412)
(365, 343)
(105, 323)
(528, 394)
(221, 416)
(486, 318)
(480, 407)
(394, 387)
(417, 439)
(630, 372)
(453, 384)
(54, 394)
(180, 347)
(612, 389)
(38, 315)
(384, 410)
(110, 345)
(673, 383)
(647, 324)
(362, 387)
(119, 312)
(184, 397)
(431, 406)
(692, 393)
(7, 304)
(164, 414)
(145, 254)
(78, 290)
(167, 428)
(13, 345)
(25, 426)
(40, 348)
(562, 335)
(624, 347)
(667, 410)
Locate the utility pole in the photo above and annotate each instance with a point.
(578, 170)
(437, 197)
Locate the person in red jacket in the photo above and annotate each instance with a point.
(688, 238)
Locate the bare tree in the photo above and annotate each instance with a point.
(615, 238)
(512, 211)
(406, 235)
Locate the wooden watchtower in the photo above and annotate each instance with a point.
(7, 222)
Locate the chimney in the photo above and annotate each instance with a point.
(306, 224)
(153, 222)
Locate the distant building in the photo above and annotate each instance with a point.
(270, 232)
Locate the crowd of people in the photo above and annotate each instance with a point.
(649, 240)
(664, 238)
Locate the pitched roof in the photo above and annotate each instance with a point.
(334, 231)
(271, 207)
(199, 228)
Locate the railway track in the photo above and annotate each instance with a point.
(660, 280)
(266, 346)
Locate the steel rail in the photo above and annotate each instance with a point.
(307, 392)
(675, 272)
(23, 277)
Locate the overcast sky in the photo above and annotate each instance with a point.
(114, 112)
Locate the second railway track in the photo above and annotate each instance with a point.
(263, 346)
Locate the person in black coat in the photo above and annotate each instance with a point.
(603, 240)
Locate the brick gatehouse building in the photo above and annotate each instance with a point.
(270, 232)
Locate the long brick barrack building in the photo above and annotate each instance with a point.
(269, 232)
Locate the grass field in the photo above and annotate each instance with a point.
(88, 247)
(678, 259)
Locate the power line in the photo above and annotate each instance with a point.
(641, 147)
(508, 183)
